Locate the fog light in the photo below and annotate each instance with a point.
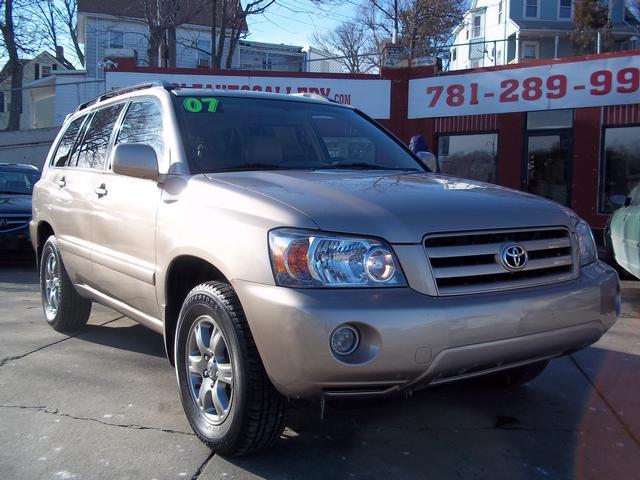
(344, 340)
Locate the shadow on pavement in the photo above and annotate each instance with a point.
(134, 338)
(556, 427)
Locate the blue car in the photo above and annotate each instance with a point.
(16, 185)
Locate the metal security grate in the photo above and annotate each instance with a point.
(470, 262)
(10, 221)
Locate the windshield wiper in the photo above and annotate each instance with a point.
(364, 166)
(5, 192)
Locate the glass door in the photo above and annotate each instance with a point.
(548, 169)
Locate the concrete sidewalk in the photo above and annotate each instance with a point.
(104, 404)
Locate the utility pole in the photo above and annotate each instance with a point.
(394, 35)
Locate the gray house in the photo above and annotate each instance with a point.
(512, 31)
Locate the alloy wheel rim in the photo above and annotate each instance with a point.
(51, 285)
(209, 370)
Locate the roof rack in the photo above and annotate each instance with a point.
(315, 96)
(121, 91)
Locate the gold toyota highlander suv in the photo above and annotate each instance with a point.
(289, 247)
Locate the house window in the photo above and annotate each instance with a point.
(499, 57)
(477, 26)
(46, 70)
(469, 156)
(621, 164)
(500, 12)
(1, 102)
(530, 50)
(565, 9)
(454, 54)
(531, 8)
(203, 51)
(116, 38)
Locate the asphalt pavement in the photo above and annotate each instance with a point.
(103, 404)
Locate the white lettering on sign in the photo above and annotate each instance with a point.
(591, 83)
(373, 96)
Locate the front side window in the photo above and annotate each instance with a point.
(230, 133)
(531, 8)
(621, 164)
(93, 151)
(65, 150)
(143, 124)
(469, 156)
(565, 9)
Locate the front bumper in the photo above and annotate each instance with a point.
(409, 340)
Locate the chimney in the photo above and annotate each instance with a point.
(60, 53)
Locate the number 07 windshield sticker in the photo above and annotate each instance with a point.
(195, 105)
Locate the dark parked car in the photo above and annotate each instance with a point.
(16, 185)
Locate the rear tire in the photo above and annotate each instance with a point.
(514, 377)
(64, 308)
(226, 395)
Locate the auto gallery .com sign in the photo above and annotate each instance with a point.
(591, 83)
(371, 96)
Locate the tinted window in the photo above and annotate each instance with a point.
(65, 147)
(143, 124)
(621, 172)
(469, 156)
(231, 133)
(93, 151)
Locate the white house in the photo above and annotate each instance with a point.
(498, 32)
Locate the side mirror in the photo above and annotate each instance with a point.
(429, 160)
(135, 160)
(617, 200)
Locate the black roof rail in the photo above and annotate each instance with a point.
(121, 91)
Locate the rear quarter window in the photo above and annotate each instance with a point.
(65, 148)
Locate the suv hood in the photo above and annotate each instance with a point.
(10, 203)
(400, 208)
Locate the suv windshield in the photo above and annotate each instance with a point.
(17, 183)
(232, 134)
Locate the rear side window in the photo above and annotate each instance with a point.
(93, 151)
(68, 140)
(143, 124)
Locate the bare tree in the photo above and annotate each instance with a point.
(16, 36)
(57, 22)
(591, 19)
(350, 42)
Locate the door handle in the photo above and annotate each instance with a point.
(62, 182)
(101, 191)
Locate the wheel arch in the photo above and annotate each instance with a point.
(183, 274)
(44, 231)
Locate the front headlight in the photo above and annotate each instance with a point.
(586, 243)
(306, 258)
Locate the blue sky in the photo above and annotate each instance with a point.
(293, 22)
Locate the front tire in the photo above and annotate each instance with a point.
(64, 308)
(226, 394)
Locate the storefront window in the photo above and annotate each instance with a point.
(549, 119)
(621, 164)
(469, 156)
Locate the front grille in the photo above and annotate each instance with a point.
(470, 262)
(12, 221)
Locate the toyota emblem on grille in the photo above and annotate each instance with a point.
(3, 222)
(513, 257)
